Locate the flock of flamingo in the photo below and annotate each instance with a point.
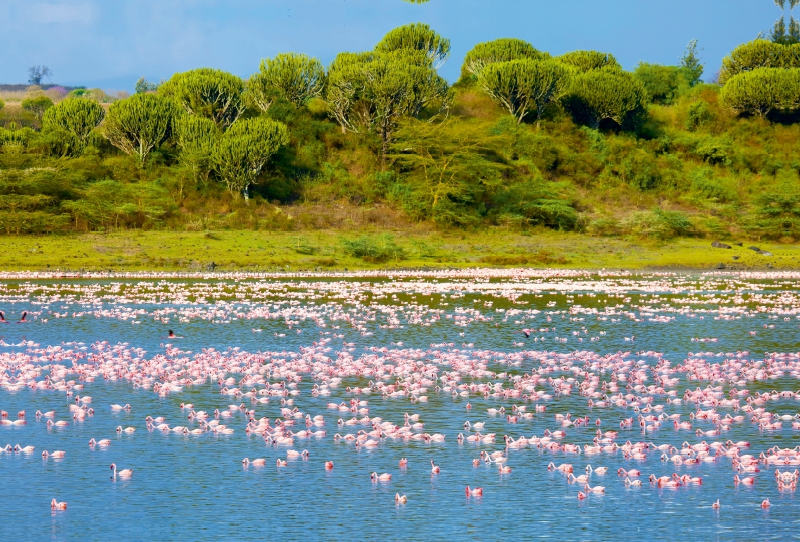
(636, 391)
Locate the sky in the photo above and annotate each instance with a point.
(111, 43)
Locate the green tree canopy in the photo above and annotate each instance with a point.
(37, 106)
(601, 95)
(76, 116)
(196, 138)
(587, 61)
(501, 50)
(664, 84)
(760, 91)
(138, 124)
(209, 93)
(293, 76)
(243, 151)
(417, 37)
(756, 54)
(371, 92)
(447, 169)
(525, 86)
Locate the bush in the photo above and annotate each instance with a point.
(656, 224)
(664, 84)
(374, 249)
(698, 115)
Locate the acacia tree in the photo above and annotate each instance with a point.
(140, 123)
(196, 137)
(602, 95)
(371, 92)
(446, 167)
(417, 37)
(243, 151)
(37, 73)
(296, 77)
(76, 116)
(209, 93)
(525, 86)
(501, 50)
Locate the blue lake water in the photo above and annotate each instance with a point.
(369, 330)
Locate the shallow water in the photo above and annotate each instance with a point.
(195, 487)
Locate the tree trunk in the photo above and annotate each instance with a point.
(246, 194)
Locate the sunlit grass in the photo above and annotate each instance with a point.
(324, 250)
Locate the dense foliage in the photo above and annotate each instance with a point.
(523, 140)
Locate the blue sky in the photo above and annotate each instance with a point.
(110, 43)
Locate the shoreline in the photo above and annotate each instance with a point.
(323, 251)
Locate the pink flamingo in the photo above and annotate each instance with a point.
(475, 492)
(55, 505)
(400, 499)
(434, 468)
(329, 465)
(385, 477)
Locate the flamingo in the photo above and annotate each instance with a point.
(55, 505)
(595, 489)
(385, 477)
(400, 499)
(765, 503)
(434, 468)
(474, 492)
(716, 505)
(329, 465)
(124, 474)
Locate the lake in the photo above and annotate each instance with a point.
(673, 353)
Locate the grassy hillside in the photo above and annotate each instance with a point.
(685, 166)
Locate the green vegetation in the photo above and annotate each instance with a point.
(524, 144)
(327, 250)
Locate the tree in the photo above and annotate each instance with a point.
(76, 116)
(196, 137)
(143, 86)
(691, 65)
(140, 123)
(295, 77)
(417, 37)
(209, 93)
(664, 84)
(760, 91)
(501, 50)
(371, 92)
(756, 54)
(37, 73)
(447, 168)
(596, 96)
(587, 61)
(37, 106)
(525, 86)
(243, 151)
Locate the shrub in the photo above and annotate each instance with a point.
(374, 249)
